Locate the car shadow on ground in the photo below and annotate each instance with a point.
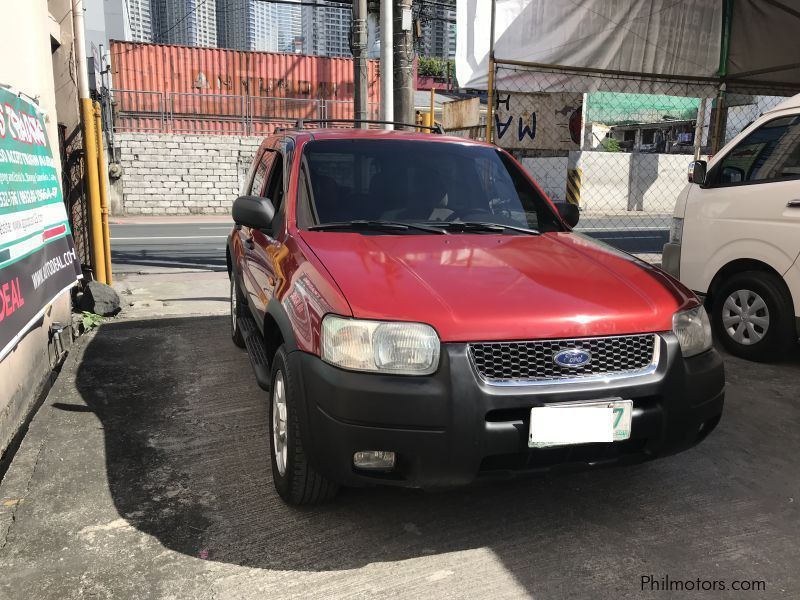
(187, 460)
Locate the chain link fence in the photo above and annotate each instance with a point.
(73, 181)
(616, 145)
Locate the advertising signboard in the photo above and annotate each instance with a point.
(37, 254)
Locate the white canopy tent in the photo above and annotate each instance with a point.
(750, 45)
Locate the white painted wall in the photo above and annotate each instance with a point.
(616, 183)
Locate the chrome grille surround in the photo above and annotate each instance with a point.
(531, 362)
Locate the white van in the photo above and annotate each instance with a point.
(735, 236)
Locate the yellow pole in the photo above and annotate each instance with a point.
(433, 107)
(490, 102)
(93, 190)
(89, 143)
(101, 168)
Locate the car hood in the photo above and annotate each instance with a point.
(476, 287)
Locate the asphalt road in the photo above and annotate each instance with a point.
(139, 247)
(146, 474)
(143, 246)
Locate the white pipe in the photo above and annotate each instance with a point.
(387, 66)
(79, 43)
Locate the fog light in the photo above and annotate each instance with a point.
(374, 460)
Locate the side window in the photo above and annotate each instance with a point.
(274, 191)
(261, 173)
(770, 153)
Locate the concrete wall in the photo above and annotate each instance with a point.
(616, 183)
(26, 63)
(169, 174)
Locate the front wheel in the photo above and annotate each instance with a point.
(753, 316)
(295, 479)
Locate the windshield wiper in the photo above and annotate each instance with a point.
(478, 226)
(375, 226)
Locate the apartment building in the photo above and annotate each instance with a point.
(256, 25)
(325, 29)
(138, 20)
(184, 22)
(438, 31)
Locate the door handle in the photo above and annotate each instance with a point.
(248, 242)
(793, 204)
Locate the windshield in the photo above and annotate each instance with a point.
(405, 181)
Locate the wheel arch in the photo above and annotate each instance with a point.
(277, 329)
(741, 265)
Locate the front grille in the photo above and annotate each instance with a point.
(531, 362)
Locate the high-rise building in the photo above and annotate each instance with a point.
(257, 25)
(127, 20)
(185, 22)
(138, 21)
(438, 31)
(326, 29)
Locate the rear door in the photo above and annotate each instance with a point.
(750, 205)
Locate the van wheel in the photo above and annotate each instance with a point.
(753, 316)
(238, 308)
(295, 480)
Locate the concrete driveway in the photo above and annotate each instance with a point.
(146, 475)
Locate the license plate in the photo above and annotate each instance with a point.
(580, 423)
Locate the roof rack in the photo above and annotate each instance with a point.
(432, 128)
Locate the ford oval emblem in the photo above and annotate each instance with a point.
(572, 357)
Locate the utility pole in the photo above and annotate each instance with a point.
(403, 60)
(359, 49)
(89, 135)
(387, 68)
(490, 84)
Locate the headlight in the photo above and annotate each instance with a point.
(676, 231)
(693, 330)
(383, 347)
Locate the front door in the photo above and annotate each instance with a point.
(750, 204)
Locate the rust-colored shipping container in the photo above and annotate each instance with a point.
(215, 90)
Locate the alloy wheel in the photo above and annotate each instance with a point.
(279, 422)
(234, 307)
(745, 317)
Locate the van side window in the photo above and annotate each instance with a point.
(770, 153)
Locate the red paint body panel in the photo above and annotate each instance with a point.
(486, 288)
(468, 287)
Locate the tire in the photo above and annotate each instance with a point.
(295, 479)
(768, 330)
(238, 307)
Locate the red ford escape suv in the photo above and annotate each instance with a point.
(422, 315)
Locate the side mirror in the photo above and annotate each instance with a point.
(253, 211)
(569, 212)
(732, 175)
(697, 172)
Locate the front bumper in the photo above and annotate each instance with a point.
(451, 427)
